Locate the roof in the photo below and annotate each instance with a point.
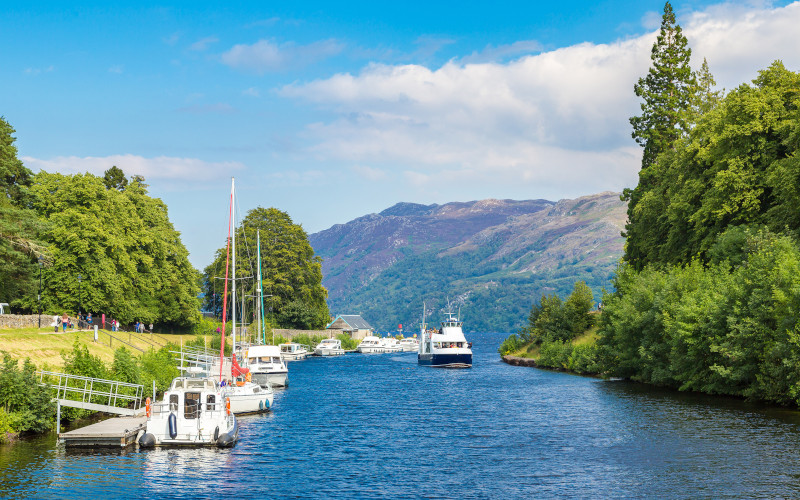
(354, 321)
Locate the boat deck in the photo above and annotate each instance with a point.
(119, 431)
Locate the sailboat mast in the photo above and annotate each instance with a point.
(233, 280)
(225, 293)
(261, 323)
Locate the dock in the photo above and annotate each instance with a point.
(116, 432)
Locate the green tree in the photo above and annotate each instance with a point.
(666, 91)
(114, 178)
(291, 273)
(26, 405)
(132, 263)
(578, 306)
(14, 176)
(703, 96)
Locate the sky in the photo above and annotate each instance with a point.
(333, 110)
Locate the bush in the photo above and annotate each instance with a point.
(348, 343)
(27, 406)
(511, 344)
(160, 366)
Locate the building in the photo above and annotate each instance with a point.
(351, 324)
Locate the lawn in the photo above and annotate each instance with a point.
(44, 347)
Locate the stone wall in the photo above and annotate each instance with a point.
(24, 320)
(290, 334)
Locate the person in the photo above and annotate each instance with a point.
(64, 321)
(55, 322)
(136, 326)
(89, 319)
(151, 327)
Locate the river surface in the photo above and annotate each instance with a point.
(380, 426)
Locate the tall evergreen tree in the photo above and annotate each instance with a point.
(666, 91)
(704, 97)
(14, 176)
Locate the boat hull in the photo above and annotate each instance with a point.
(461, 360)
(271, 379)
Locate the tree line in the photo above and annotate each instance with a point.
(85, 243)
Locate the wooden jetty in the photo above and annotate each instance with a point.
(118, 431)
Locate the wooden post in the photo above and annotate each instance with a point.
(58, 418)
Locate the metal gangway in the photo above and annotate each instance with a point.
(95, 394)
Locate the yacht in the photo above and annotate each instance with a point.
(293, 351)
(329, 347)
(371, 345)
(391, 344)
(267, 367)
(410, 344)
(194, 412)
(446, 347)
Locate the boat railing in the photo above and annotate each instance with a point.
(209, 409)
(77, 391)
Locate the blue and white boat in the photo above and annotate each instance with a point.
(446, 347)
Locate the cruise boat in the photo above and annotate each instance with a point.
(293, 352)
(329, 347)
(410, 344)
(194, 412)
(391, 344)
(371, 345)
(446, 347)
(266, 366)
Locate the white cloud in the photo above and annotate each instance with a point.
(555, 119)
(264, 55)
(117, 69)
(159, 168)
(491, 53)
(203, 43)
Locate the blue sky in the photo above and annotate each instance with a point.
(332, 110)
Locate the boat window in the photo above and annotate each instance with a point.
(276, 360)
(211, 402)
(173, 402)
(191, 403)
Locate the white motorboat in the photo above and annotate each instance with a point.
(371, 345)
(391, 344)
(410, 344)
(248, 397)
(292, 351)
(266, 366)
(194, 412)
(446, 347)
(329, 347)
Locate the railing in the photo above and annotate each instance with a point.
(93, 393)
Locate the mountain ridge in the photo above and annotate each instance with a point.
(491, 256)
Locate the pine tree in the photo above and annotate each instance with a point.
(666, 91)
(704, 98)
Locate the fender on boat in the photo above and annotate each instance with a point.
(173, 425)
(147, 440)
(229, 438)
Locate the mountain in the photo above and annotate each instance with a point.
(492, 258)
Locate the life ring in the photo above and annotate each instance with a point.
(228, 405)
(248, 377)
(147, 407)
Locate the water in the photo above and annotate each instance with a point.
(379, 426)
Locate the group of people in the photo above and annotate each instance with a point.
(66, 322)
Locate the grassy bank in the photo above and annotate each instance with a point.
(44, 347)
(578, 355)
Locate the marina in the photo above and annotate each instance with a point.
(388, 427)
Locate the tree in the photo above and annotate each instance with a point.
(291, 273)
(114, 178)
(132, 263)
(703, 96)
(666, 90)
(14, 176)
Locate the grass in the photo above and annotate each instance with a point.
(531, 350)
(44, 347)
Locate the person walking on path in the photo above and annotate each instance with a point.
(64, 321)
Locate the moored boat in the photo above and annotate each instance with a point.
(410, 344)
(371, 345)
(391, 344)
(292, 351)
(329, 347)
(266, 366)
(194, 412)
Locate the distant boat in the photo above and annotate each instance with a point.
(391, 344)
(371, 345)
(293, 351)
(329, 347)
(446, 347)
(410, 344)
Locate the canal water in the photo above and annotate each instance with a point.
(379, 426)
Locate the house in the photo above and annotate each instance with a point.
(351, 324)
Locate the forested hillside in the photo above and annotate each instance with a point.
(491, 258)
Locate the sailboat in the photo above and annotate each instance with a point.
(266, 366)
(244, 395)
